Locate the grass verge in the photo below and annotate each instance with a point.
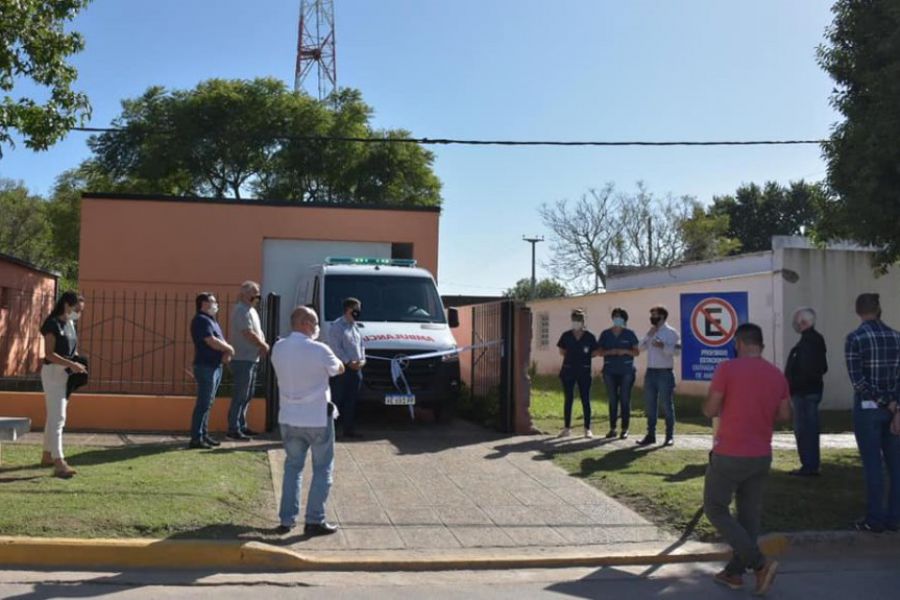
(136, 491)
(666, 486)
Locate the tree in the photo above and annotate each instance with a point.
(606, 228)
(755, 214)
(705, 236)
(34, 46)
(228, 138)
(863, 155)
(24, 229)
(544, 288)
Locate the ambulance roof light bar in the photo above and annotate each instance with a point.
(370, 261)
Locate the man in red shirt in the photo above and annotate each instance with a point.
(748, 394)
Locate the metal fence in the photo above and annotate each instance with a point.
(492, 366)
(135, 342)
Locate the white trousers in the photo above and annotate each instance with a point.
(54, 379)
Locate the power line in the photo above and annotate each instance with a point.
(487, 142)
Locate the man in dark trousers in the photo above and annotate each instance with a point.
(748, 394)
(806, 365)
(345, 340)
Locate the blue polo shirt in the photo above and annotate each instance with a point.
(202, 327)
(577, 360)
(626, 340)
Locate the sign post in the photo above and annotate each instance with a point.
(708, 324)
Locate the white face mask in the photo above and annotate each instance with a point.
(577, 325)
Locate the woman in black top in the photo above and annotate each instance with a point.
(576, 346)
(60, 347)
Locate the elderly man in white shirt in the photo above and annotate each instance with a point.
(661, 343)
(303, 367)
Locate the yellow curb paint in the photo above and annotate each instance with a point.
(257, 556)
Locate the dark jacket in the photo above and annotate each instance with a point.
(807, 364)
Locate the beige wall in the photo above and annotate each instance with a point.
(829, 282)
(638, 303)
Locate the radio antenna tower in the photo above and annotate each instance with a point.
(315, 46)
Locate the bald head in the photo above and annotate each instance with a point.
(304, 320)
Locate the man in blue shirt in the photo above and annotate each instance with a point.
(210, 352)
(873, 363)
(345, 341)
(618, 346)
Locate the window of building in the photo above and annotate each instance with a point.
(543, 323)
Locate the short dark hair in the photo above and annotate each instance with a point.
(868, 304)
(620, 312)
(659, 308)
(750, 334)
(351, 303)
(201, 298)
(578, 314)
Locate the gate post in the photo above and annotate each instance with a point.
(273, 320)
(507, 366)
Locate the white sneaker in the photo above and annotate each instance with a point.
(566, 432)
(588, 433)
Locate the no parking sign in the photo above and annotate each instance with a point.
(708, 324)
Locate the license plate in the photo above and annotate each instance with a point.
(400, 399)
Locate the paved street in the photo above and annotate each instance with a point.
(825, 574)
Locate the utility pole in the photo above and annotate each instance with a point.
(649, 241)
(533, 241)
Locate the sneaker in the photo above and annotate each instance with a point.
(566, 432)
(588, 433)
(734, 582)
(199, 444)
(624, 435)
(612, 433)
(764, 578)
(237, 436)
(212, 441)
(669, 442)
(317, 529)
(646, 441)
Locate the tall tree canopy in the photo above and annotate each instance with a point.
(233, 138)
(543, 288)
(34, 46)
(863, 58)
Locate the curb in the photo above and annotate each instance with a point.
(258, 556)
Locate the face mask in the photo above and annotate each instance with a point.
(655, 320)
(619, 322)
(355, 314)
(577, 325)
(315, 333)
(214, 308)
(74, 315)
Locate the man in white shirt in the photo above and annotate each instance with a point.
(303, 367)
(660, 344)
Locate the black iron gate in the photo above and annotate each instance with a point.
(492, 366)
(271, 322)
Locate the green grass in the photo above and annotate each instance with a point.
(136, 491)
(666, 486)
(547, 411)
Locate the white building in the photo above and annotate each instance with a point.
(793, 274)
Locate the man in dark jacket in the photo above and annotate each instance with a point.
(806, 365)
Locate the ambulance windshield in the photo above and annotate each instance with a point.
(385, 298)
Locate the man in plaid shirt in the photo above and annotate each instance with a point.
(873, 363)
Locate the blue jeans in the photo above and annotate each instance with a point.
(878, 448)
(208, 380)
(618, 389)
(297, 441)
(570, 376)
(806, 430)
(659, 388)
(344, 392)
(244, 373)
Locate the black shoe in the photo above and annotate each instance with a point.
(284, 529)
(317, 529)
(199, 444)
(863, 525)
(802, 473)
(238, 436)
(212, 441)
(612, 433)
(646, 441)
(669, 442)
(624, 435)
(249, 433)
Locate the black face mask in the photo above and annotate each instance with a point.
(355, 314)
(655, 320)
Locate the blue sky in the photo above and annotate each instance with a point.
(518, 69)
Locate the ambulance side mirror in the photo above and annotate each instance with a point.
(453, 317)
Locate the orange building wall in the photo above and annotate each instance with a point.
(28, 297)
(178, 246)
